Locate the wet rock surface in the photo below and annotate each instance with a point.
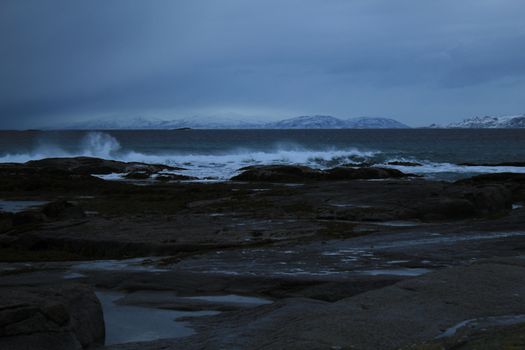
(287, 173)
(51, 317)
(89, 165)
(346, 258)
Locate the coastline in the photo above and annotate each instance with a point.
(299, 238)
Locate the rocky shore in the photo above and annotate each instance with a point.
(277, 257)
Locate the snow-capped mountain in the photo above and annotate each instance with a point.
(139, 123)
(328, 122)
(308, 122)
(303, 122)
(489, 122)
(118, 123)
(374, 123)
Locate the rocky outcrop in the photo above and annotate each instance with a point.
(50, 318)
(145, 175)
(278, 173)
(400, 163)
(462, 202)
(342, 173)
(53, 211)
(90, 165)
(60, 210)
(290, 173)
(409, 312)
(513, 182)
(511, 164)
(173, 177)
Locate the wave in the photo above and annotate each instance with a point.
(221, 165)
(225, 164)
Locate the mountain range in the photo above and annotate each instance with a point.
(303, 122)
(487, 122)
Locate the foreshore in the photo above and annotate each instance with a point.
(277, 257)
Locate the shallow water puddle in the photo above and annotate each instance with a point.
(19, 206)
(125, 324)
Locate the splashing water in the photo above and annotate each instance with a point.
(93, 144)
(220, 155)
(98, 144)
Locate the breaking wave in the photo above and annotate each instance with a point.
(225, 164)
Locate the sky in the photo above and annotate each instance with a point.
(417, 61)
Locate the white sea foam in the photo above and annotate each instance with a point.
(219, 165)
(225, 164)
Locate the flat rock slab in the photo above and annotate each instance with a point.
(406, 313)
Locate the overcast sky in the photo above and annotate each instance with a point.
(418, 61)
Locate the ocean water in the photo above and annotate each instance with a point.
(218, 154)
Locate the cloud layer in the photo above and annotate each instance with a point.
(418, 61)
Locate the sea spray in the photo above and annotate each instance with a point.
(218, 154)
(101, 145)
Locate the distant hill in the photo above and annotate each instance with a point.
(308, 122)
(303, 122)
(375, 123)
(488, 122)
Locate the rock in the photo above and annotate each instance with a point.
(290, 173)
(404, 163)
(278, 173)
(512, 164)
(408, 312)
(6, 222)
(138, 175)
(55, 318)
(500, 178)
(514, 182)
(342, 173)
(445, 209)
(22, 178)
(62, 210)
(462, 202)
(28, 217)
(90, 165)
(174, 177)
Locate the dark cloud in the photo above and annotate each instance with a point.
(419, 61)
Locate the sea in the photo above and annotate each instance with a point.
(217, 155)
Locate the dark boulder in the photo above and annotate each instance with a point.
(90, 165)
(278, 173)
(461, 202)
(290, 173)
(50, 318)
(343, 173)
(138, 175)
(173, 177)
(513, 182)
(404, 163)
